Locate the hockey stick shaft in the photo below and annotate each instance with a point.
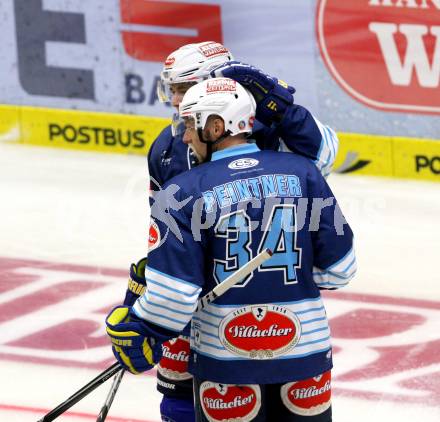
(234, 278)
(110, 397)
(208, 298)
(203, 302)
(82, 392)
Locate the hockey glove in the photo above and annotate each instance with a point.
(272, 95)
(136, 282)
(136, 347)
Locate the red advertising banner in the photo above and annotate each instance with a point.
(161, 27)
(384, 53)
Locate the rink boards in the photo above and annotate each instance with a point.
(79, 130)
(116, 133)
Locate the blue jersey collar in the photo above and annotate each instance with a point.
(235, 150)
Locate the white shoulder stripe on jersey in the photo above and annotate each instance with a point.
(171, 283)
(214, 353)
(311, 313)
(217, 351)
(338, 274)
(345, 264)
(159, 319)
(168, 301)
(163, 315)
(328, 150)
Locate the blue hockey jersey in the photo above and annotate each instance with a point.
(299, 132)
(207, 223)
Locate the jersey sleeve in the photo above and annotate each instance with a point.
(301, 133)
(334, 262)
(159, 145)
(175, 270)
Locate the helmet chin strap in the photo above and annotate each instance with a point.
(209, 143)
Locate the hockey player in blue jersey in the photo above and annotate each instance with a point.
(291, 127)
(282, 126)
(262, 351)
(168, 156)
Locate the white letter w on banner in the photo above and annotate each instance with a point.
(416, 55)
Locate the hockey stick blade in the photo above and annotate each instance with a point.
(110, 397)
(234, 278)
(82, 392)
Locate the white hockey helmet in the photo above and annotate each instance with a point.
(222, 97)
(190, 63)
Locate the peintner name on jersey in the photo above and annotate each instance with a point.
(243, 190)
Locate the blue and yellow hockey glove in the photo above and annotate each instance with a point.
(136, 347)
(272, 95)
(136, 282)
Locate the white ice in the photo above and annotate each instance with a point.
(91, 209)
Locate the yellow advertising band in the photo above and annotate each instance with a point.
(408, 158)
(117, 133)
(79, 130)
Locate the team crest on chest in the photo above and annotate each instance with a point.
(260, 331)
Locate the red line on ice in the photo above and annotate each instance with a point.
(89, 416)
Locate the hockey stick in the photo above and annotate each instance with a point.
(116, 367)
(110, 397)
(82, 392)
(233, 279)
(205, 300)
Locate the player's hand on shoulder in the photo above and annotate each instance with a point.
(133, 343)
(271, 94)
(136, 282)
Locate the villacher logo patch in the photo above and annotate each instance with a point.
(260, 331)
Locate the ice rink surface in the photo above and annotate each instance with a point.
(72, 222)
